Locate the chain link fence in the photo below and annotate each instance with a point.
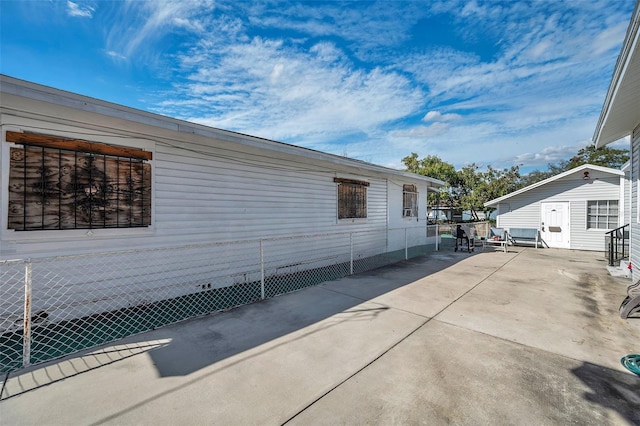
(53, 306)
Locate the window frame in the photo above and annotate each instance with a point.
(410, 193)
(357, 186)
(26, 128)
(607, 217)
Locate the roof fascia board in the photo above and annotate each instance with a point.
(624, 59)
(29, 90)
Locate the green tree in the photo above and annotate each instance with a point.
(434, 167)
(431, 166)
(535, 176)
(603, 156)
(495, 183)
(467, 188)
(477, 187)
(464, 194)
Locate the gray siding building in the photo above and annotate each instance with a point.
(571, 210)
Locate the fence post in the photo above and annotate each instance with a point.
(406, 245)
(261, 271)
(350, 253)
(26, 343)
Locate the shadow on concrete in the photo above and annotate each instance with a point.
(611, 389)
(222, 336)
(188, 346)
(51, 372)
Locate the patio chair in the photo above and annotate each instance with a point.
(496, 237)
(631, 304)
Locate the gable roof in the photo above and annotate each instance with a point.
(575, 170)
(621, 110)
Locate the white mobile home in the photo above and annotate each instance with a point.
(81, 175)
(620, 117)
(139, 209)
(571, 210)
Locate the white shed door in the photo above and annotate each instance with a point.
(554, 224)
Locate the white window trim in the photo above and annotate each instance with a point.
(66, 235)
(587, 216)
(417, 199)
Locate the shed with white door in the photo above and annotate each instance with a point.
(572, 210)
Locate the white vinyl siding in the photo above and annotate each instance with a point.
(213, 190)
(635, 211)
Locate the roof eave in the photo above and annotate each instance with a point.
(18, 87)
(629, 48)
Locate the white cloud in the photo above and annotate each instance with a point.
(551, 154)
(116, 55)
(274, 90)
(338, 78)
(609, 39)
(76, 10)
(435, 129)
(438, 116)
(369, 26)
(139, 24)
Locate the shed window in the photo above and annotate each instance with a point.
(602, 214)
(59, 184)
(352, 198)
(409, 201)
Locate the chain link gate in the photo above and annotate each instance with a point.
(54, 306)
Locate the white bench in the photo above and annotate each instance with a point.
(524, 235)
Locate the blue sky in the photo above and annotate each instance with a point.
(497, 83)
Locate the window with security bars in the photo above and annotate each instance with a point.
(352, 198)
(409, 201)
(602, 214)
(60, 184)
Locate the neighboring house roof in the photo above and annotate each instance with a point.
(579, 169)
(621, 111)
(14, 86)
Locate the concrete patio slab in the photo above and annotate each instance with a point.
(529, 336)
(444, 374)
(560, 301)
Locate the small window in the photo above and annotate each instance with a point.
(352, 198)
(602, 214)
(59, 184)
(409, 201)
